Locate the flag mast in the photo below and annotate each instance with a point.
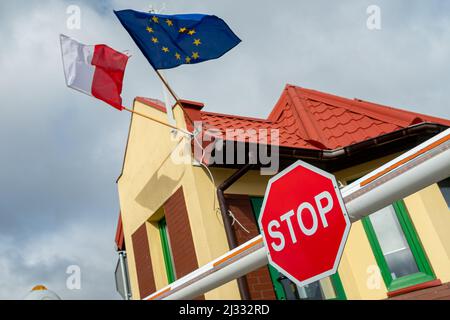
(173, 94)
(166, 83)
(177, 100)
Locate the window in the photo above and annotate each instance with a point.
(397, 248)
(167, 251)
(325, 289)
(444, 185)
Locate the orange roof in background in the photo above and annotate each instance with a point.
(315, 120)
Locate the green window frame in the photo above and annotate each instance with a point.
(425, 271)
(256, 203)
(167, 251)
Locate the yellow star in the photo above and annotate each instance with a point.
(182, 30)
(195, 55)
(169, 22)
(178, 56)
(155, 40)
(155, 19)
(188, 59)
(191, 32)
(165, 49)
(150, 30)
(197, 42)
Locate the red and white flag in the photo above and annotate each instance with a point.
(96, 70)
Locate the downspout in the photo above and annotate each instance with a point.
(231, 237)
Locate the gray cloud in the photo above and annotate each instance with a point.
(61, 151)
(47, 256)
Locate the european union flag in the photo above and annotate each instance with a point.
(168, 41)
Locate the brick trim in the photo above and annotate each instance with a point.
(259, 281)
(417, 287)
(143, 262)
(180, 235)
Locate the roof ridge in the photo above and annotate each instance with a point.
(349, 104)
(305, 117)
(401, 117)
(285, 95)
(414, 115)
(276, 111)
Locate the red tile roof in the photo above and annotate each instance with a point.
(312, 119)
(315, 120)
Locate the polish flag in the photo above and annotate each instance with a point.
(96, 70)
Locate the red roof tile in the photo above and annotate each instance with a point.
(315, 120)
(157, 104)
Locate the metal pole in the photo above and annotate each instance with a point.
(166, 87)
(169, 109)
(124, 268)
(426, 164)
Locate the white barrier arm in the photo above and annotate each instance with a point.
(416, 169)
(234, 264)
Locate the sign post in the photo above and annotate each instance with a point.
(304, 223)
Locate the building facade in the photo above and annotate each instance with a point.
(185, 202)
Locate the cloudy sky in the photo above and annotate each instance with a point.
(61, 151)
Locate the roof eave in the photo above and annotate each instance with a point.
(389, 143)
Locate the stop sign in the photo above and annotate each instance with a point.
(304, 223)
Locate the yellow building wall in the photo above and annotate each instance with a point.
(140, 161)
(149, 177)
(431, 218)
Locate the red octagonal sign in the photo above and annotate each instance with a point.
(304, 223)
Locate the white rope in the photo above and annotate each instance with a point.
(215, 209)
(236, 220)
(214, 183)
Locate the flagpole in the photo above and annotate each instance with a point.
(164, 81)
(177, 101)
(168, 104)
(173, 94)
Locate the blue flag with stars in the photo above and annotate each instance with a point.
(168, 41)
